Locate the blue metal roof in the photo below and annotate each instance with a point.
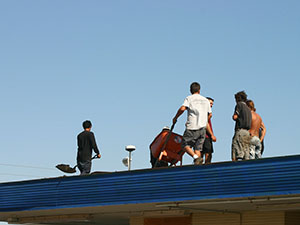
(253, 178)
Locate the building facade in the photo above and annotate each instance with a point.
(264, 191)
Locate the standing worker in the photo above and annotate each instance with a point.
(198, 108)
(257, 125)
(86, 143)
(240, 148)
(209, 138)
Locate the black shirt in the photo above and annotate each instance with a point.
(244, 116)
(86, 142)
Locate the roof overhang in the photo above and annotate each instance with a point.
(230, 187)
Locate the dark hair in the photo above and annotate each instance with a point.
(250, 104)
(241, 96)
(209, 98)
(87, 124)
(195, 87)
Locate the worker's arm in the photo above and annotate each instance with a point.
(211, 133)
(263, 131)
(94, 145)
(236, 111)
(209, 116)
(179, 112)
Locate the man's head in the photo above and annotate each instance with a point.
(87, 125)
(250, 104)
(195, 88)
(240, 96)
(211, 101)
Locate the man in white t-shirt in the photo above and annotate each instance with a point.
(198, 108)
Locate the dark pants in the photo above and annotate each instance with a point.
(208, 146)
(84, 167)
(154, 162)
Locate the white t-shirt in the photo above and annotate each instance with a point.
(198, 108)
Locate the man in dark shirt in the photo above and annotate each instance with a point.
(209, 138)
(86, 143)
(241, 139)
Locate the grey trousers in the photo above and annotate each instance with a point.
(84, 167)
(255, 148)
(240, 148)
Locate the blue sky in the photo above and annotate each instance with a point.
(127, 67)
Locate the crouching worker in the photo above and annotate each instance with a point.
(198, 108)
(86, 143)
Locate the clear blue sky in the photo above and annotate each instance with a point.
(127, 67)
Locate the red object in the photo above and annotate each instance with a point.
(172, 152)
(208, 135)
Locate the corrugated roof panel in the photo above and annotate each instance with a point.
(265, 177)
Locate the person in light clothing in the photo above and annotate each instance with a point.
(198, 108)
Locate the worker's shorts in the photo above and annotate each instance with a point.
(194, 138)
(208, 146)
(240, 147)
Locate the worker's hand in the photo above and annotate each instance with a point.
(99, 156)
(213, 138)
(234, 117)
